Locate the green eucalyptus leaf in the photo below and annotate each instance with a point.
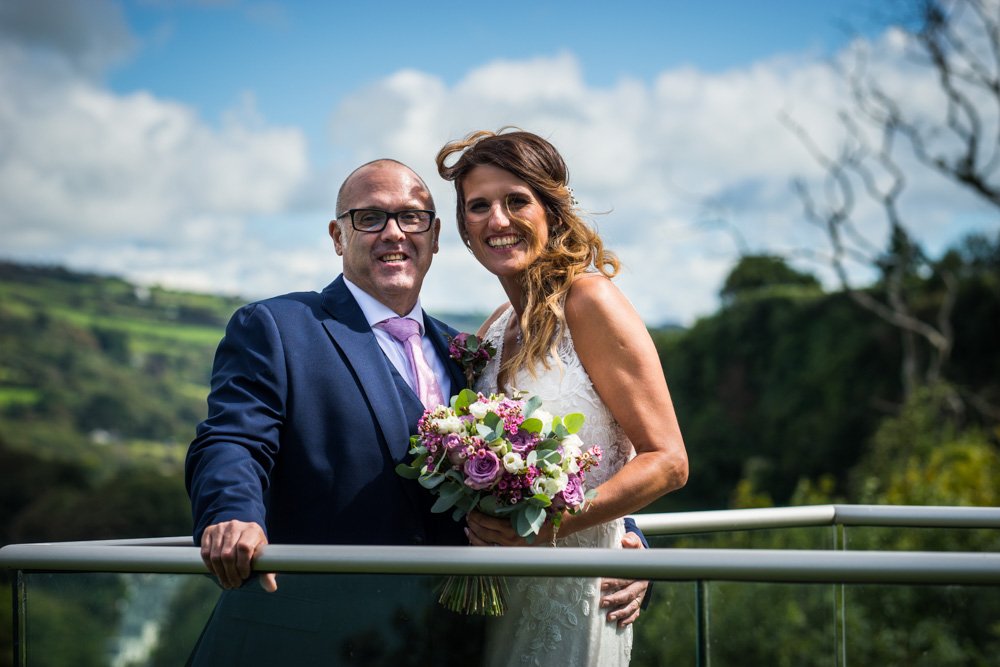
(431, 480)
(536, 518)
(532, 404)
(573, 422)
(489, 505)
(450, 494)
(540, 500)
(465, 398)
(532, 425)
(404, 470)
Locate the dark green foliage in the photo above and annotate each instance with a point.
(782, 386)
(793, 384)
(135, 502)
(73, 617)
(88, 361)
(759, 274)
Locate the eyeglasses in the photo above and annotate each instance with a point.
(374, 220)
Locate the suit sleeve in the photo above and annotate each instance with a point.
(630, 527)
(229, 462)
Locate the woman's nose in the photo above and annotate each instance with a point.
(498, 216)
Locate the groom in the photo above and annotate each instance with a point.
(313, 400)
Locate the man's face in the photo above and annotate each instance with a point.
(390, 265)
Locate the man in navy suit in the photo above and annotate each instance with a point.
(311, 406)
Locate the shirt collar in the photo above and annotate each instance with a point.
(375, 311)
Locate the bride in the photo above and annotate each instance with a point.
(571, 337)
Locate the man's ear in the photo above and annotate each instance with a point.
(336, 235)
(437, 234)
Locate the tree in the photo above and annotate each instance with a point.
(754, 273)
(958, 42)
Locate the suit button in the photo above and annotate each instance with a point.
(418, 539)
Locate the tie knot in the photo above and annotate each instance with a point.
(400, 328)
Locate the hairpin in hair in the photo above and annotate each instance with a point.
(572, 196)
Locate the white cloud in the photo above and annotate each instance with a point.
(655, 155)
(106, 181)
(145, 187)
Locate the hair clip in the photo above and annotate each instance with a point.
(572, 196)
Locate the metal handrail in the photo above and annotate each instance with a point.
(176, 555)
(911, 516)
(791, 566)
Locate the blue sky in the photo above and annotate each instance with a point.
(199, 144)
(298, 58)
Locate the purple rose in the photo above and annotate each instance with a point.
(482, 469)
(572, 495)
(523, 441)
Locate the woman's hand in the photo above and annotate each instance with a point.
(490, 531)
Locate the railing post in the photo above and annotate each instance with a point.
(703, 627)
(840, 602)
(19, 599)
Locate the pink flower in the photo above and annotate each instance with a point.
(482, 469)
(455, 447)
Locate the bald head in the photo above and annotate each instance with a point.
(348, 189)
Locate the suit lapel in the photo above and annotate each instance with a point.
(349, 330)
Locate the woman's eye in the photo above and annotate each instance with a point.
(478, 207)
(517, 202)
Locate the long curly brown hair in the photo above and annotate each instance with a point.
(573, 247)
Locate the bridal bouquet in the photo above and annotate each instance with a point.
(506, 457)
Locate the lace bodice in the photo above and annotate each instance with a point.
(558, 621)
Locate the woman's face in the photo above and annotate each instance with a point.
(494, 196)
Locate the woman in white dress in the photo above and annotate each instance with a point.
(571, 337)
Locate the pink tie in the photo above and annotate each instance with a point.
(407, 331)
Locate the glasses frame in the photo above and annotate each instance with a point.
(390, 215)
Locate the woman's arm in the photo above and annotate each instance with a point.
(621, 360)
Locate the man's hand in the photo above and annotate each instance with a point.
(490, 531)
(623, 597)
(228, 550)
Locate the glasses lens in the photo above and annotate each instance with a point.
(414, 221)
(368, 219)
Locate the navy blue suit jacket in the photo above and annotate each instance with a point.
(307, 420)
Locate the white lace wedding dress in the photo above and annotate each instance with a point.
(559, 621)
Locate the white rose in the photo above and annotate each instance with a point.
(449, 424)
(570, 465)
(548, 486)
(560, 482)
(545, 418)
(513, 463)
(478, 410)
(572, 445)
(499, 447)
